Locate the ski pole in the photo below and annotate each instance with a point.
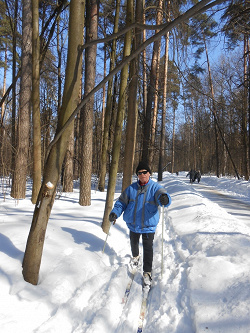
(162, 237)
(106, 238)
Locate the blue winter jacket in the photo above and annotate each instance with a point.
(139, 205)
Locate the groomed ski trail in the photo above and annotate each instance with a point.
(169, 291)
(130, 314)
(169, 294)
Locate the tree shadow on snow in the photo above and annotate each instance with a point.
(92, 242)
(7, 247)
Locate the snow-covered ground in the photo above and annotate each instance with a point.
(204, 285)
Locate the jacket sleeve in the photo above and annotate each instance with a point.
(121, 204)
(160, 191)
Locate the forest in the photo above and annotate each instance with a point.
(88, 88)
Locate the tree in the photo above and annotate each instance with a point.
(14, 65)
(236, 28)
(151, 90)
(206, 26)
(108, 110)
(164, 99)
(18, 189)
(159, 18)
(67, 174)
(132, 105)
(52, 169)
(5, 45)
(119, 123)
(37, 163)
(87, 111)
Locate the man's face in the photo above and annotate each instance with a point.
(143, 176)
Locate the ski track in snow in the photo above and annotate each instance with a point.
(169, 292)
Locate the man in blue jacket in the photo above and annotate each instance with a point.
(139, 204)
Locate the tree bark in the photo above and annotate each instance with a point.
(150, 97)
(13, 115)
(164, 101)
(193, 132)
(68, 184)
(4, 83)
(87, 112)
(144, 63)
(156, 90)
(108, 111)
(244, 116)
(18, 189)
(37, 163)
(132, 105)
(173, 144)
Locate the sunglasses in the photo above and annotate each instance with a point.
(142, 172)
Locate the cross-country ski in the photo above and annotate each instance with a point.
(143, 309)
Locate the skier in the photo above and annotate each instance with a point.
(198, 176)
(191, 175)
(140, 202)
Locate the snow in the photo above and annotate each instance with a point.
(201, 285)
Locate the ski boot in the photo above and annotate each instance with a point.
(133, 265)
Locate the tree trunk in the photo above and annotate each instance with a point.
(244, 116)
(13, 116)
(132, 106)
(68, 165)
(2, 130)
(164, 102)
(156, 92)
(193, 132)
(35, 242)
(144, 57)
(87, 112)
(119, 123)
(248, 51)
(150, 97)
(59, 65)
(108, 111)
(98, 163)
(76, 166)
(37, 166)
(173, 144)
(18, 189)
(4, 82)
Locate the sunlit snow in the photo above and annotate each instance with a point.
(202, 284)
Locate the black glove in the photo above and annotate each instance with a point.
(112, 217)
(164, 199)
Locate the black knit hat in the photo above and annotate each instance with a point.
(143, 166)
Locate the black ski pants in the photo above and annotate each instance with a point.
(147, 244)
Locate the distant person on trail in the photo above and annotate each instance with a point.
(198, 176)
(140, 202)
(191, 175)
